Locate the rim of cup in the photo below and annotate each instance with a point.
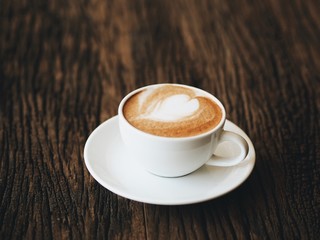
(207, 94)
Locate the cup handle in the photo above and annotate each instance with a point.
(230, 161)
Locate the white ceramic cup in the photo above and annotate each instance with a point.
(174, 157)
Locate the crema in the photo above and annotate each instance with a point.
(172, 111)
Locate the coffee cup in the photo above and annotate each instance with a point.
(172, 130)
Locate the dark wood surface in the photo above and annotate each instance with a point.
(65, 65)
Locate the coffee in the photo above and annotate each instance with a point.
(172, 111)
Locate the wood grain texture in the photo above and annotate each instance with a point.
(65, 65)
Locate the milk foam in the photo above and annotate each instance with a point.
(143, 96)
(173, 108)
(172, 111)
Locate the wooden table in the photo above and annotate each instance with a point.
(65, 66)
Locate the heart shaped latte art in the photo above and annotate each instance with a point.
(172, 108)
(172, 111)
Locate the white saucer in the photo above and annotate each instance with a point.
(109, 163)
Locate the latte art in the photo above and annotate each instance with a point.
(170, 108)
(172, 111)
